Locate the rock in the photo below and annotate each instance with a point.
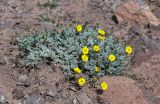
(52, 92)
(21, 25)
(60, 84)
(136, 30)
(75, 101)
(2, 61)
(17, 93)
(83, 98)
(34, 98)
(5, 24)
(122, 90)
(152, 44)
(23, 80)
(91, 93)
(56, 68)
(135, 12)
(3, 99)
(149, 75)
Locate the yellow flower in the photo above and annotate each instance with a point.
(95, 78)
(100, 37)
(81, 81)
(77, 70)
(84, 57)
(85, 50)
(79, 28)
(97, 69)
(128, 49)
(104, 86)
(101, 32)
(111, 57)
(96, 48)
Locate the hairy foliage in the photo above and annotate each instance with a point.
(64, 46)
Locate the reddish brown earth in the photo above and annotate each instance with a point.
(18, 85)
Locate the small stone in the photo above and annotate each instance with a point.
(151, 26)
(2, 98)
(83, 98)
(52, 92)
(21, 25)
(60, 84)
(75, 101)
(2, 61)
(1, 22)
(23, 77)
(34, 98)
(20, 11)
(23, 80)
(18, 15)
(136, 30)
(73, 88)
(5, 23)
(17, 93)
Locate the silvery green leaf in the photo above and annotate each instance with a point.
(90, 41)
(64, 46)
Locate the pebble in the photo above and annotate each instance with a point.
(34, 99)
(23, 80)
(2, 61)
(52, 92)
(83, 98)
(3, 99)
(17, 93)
